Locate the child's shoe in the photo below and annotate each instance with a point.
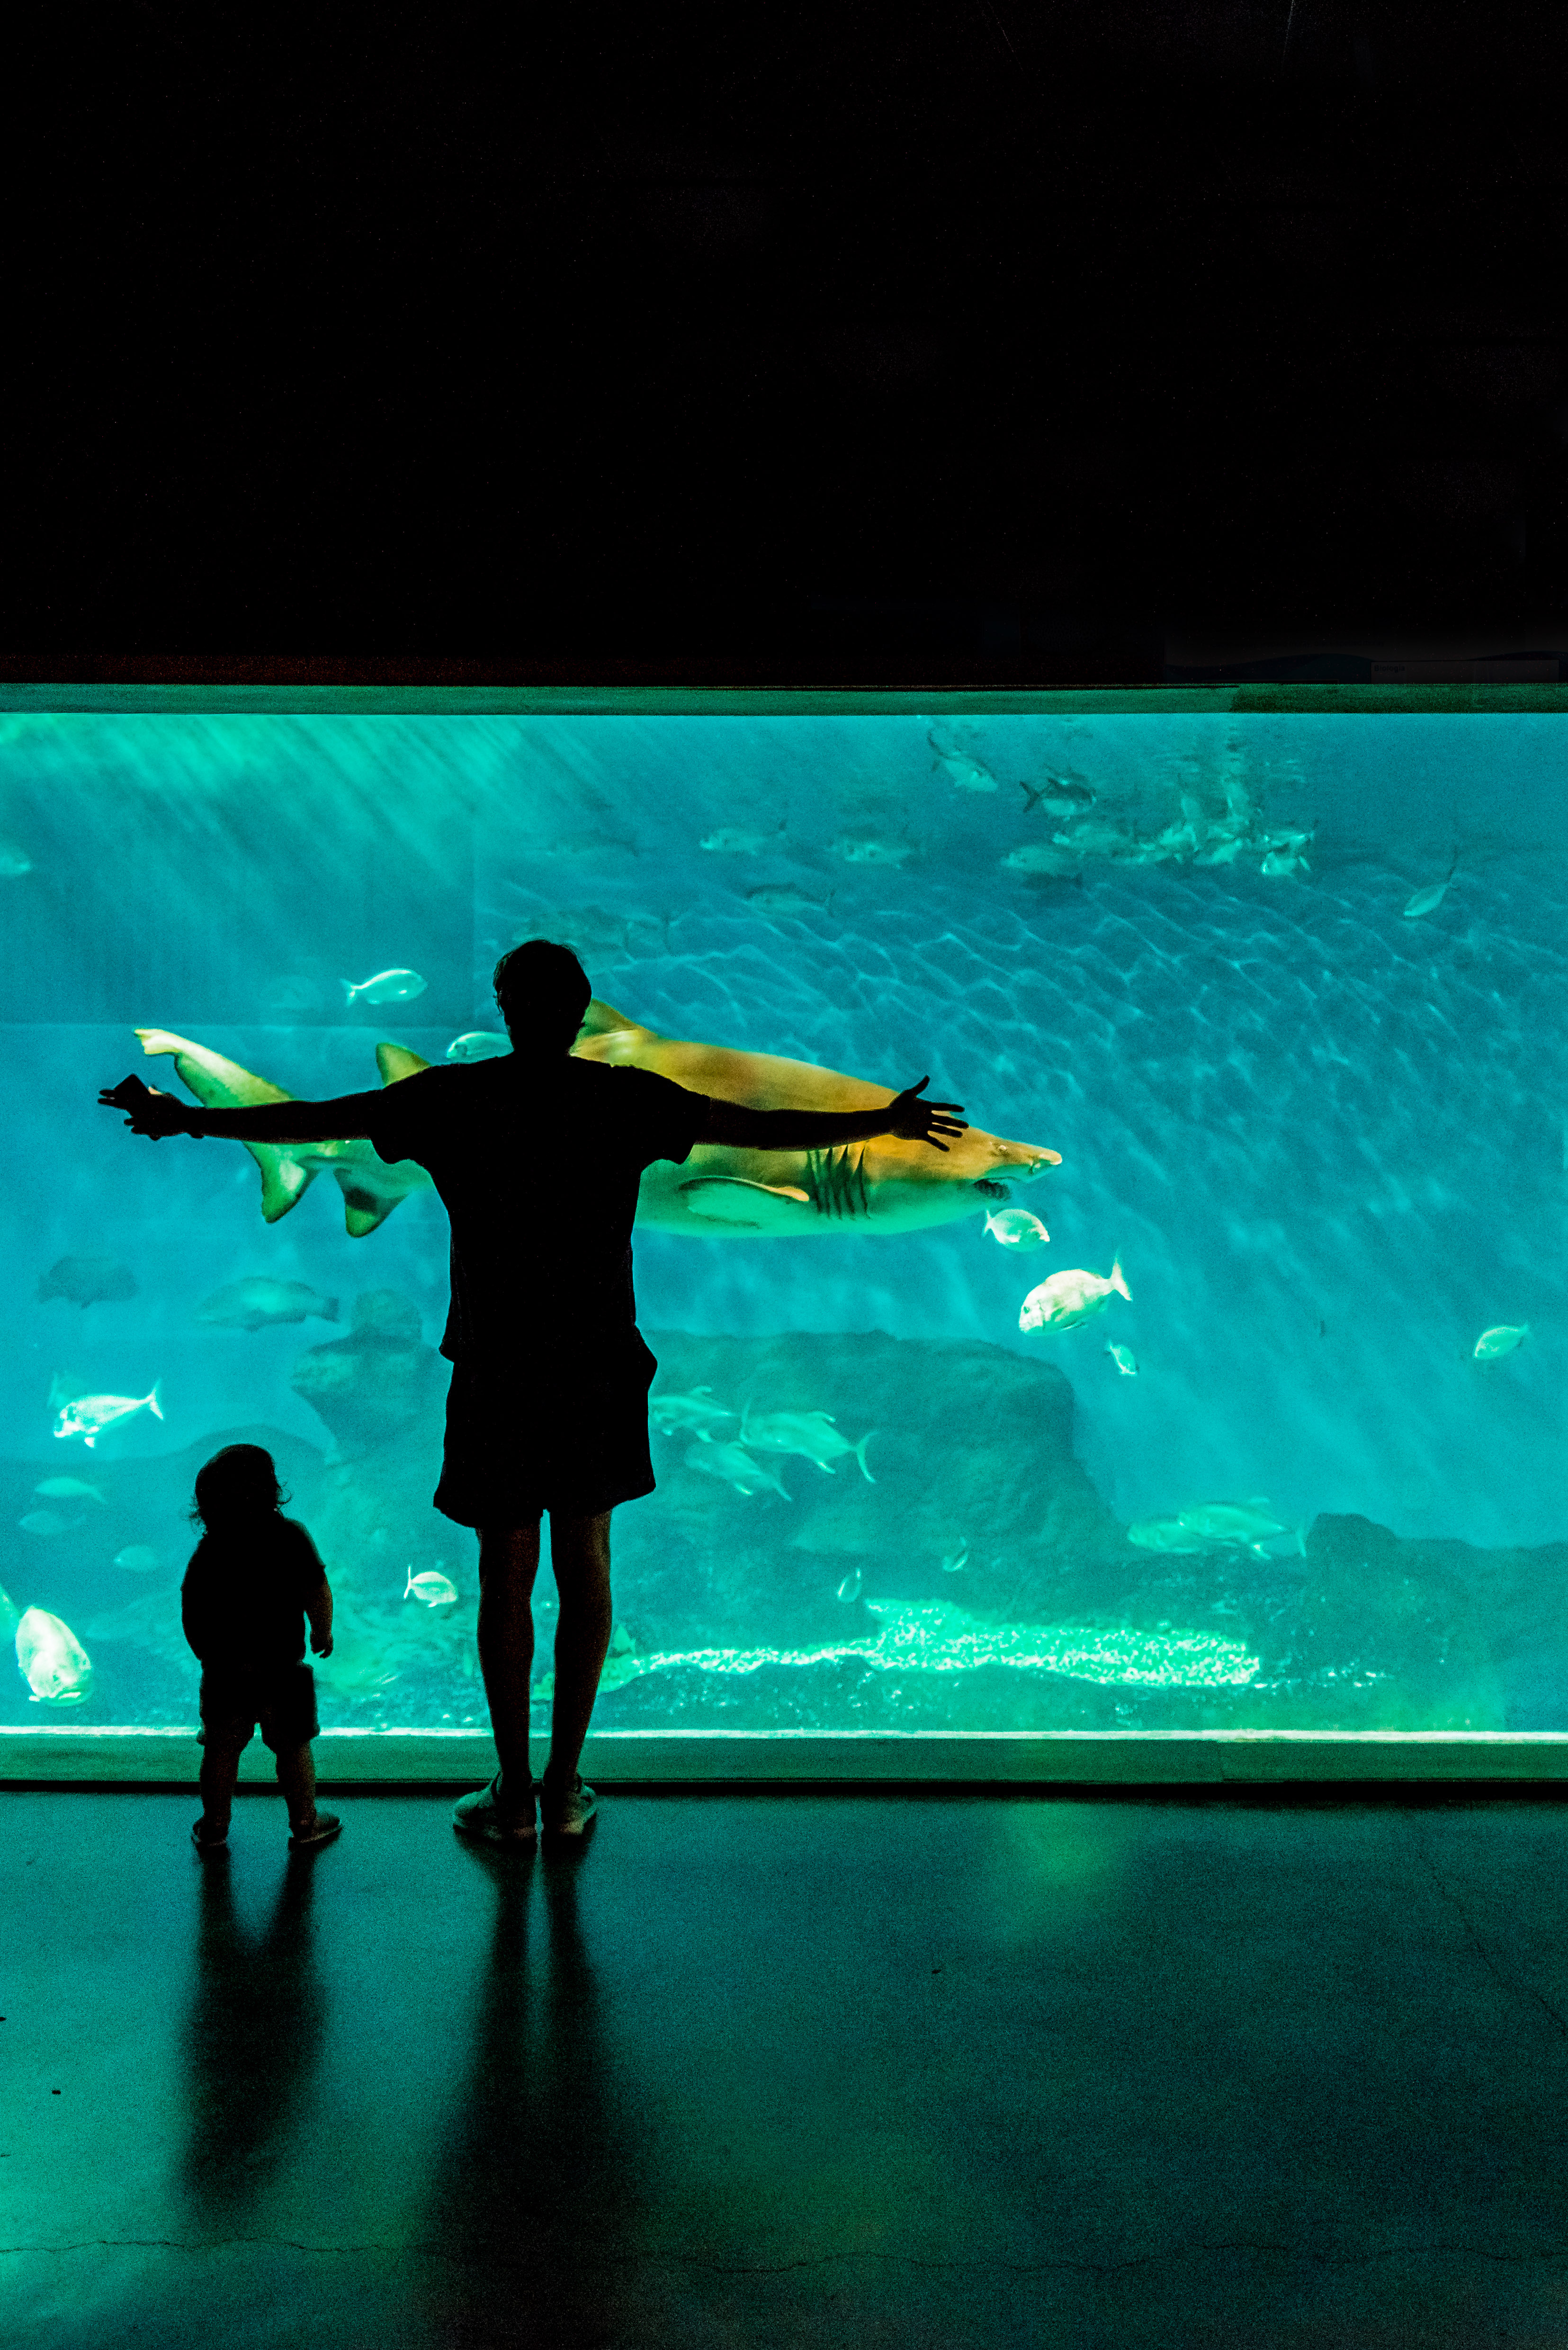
(206, 1839)
(319, 1830)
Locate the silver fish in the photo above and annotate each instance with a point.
(696, 1412)
(783, 899)
(47, 1522)
(963, 771)
(67, 1489)
(729, 841)
(871, 851)
(260, 1301)
(1058, 795)
(1069, 1298)
(812, 1434)
(51, 1660)
(1124, 1359)
(1500, 1340)
(1016, 1228)
(88, 1416)
(1039, 858)
(395, 986)
(477, 1045)
(136, 1558)
(430, 1590)
(956, 1560)
(733, 1467)
(850, 1587)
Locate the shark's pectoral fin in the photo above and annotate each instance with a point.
(759, 1207)
(216, 1083)
(283, 1179)
(395, 1062)
(364, 1207)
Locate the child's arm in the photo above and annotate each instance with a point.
(191, 1615)
(318, 1608)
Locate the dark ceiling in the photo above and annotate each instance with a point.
(812, 338)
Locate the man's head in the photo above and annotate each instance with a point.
(543, 991)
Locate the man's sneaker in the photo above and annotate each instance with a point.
(208, 1843)
(567, 1814)
(480, 1814)
(322, 1829)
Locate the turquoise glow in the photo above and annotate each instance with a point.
(1284, 987)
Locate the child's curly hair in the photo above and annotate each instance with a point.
(238, 1483)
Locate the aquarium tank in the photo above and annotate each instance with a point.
(1215, 1380)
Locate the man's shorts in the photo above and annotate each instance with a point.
(553, 1436)
(283, 1703)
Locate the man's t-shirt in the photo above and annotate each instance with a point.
(244, 1597)
(538, 1166)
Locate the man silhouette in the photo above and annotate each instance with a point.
(549, 1403)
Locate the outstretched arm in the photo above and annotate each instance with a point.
(152, 1113)
(824, 1130)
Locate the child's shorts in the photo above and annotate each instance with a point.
(283, 1703)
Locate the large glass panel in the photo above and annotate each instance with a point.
(1248, 1413)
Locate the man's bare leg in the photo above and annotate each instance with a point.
(508, 1562)
(580, 1556)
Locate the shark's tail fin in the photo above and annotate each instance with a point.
(860, 1455)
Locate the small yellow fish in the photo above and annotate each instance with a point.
(1502, 1340)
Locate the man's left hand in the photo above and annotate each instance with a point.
(147, 1111)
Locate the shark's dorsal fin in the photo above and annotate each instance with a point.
(218, 1084)
(395, 1062)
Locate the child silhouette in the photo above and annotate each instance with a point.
(253, 1579)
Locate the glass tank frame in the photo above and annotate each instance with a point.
(1277, 971)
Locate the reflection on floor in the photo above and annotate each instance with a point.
(816, 2069)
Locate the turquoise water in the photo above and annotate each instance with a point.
(1325, 1137)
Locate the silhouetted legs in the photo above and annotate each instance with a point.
(219, 1773)
(508, 1562)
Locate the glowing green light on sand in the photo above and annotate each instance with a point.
(934, 1638)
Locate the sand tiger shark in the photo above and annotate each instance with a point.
(886, 1185)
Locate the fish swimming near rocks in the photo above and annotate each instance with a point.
(1245, 1525)
(88, 1416)
(786, 899)
(1058, 795)
(734, 1467)
(885, 1185)
(732, 841)
(87, 1281)
(871, 851)
(395, 986)
(259, 1302)
(1068, 1299)
(812, 1434)
(1166, 1534)
(51, 1660)
(477, 1045)
(1501, 1340)
(430, 1590)
(1039, 858)
(67, 1489)
(963, 771)
(696, 1412)
(1016, 1228)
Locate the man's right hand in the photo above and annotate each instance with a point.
(147, 1111)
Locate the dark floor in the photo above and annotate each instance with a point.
(789, 2069)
